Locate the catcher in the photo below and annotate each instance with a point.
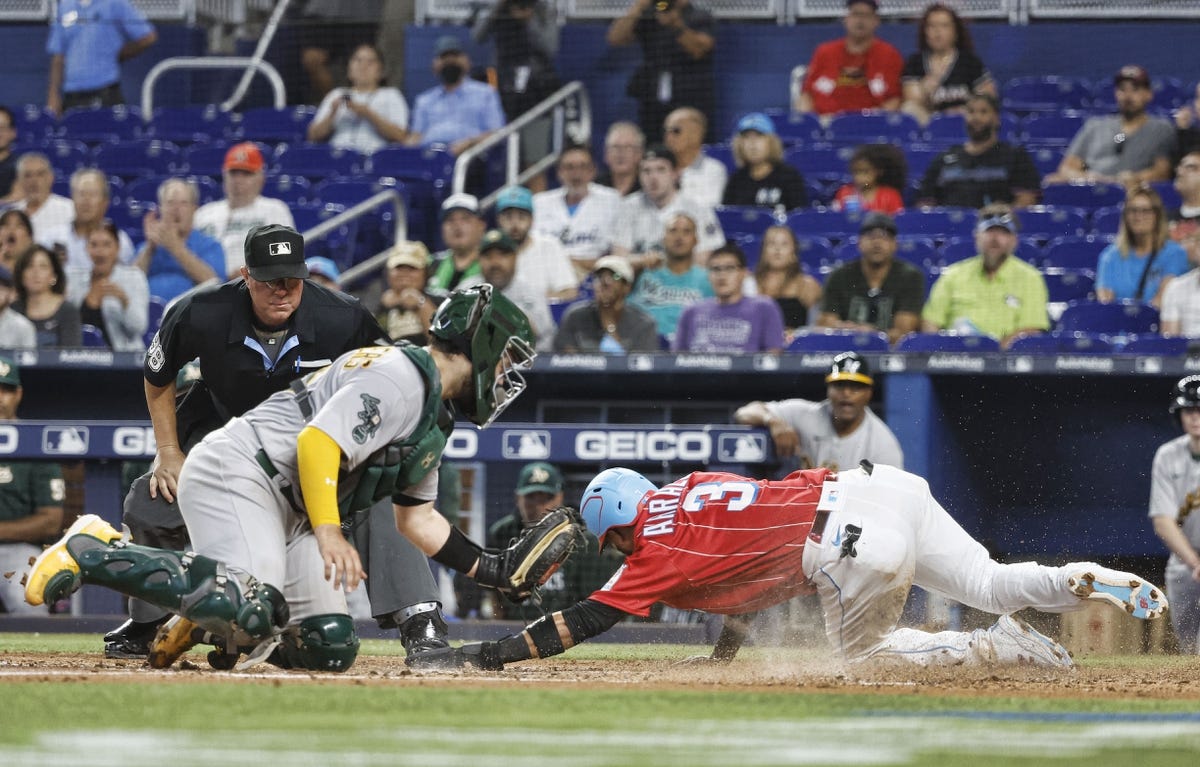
(264, 496)
(861, 538)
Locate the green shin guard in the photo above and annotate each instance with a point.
(319, 643)
(196, 587)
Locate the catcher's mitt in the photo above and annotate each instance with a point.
(533, 556)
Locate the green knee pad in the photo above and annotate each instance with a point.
(195, 586)
(319, 643)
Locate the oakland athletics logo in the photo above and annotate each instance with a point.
(368, 419)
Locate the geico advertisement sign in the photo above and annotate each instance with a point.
(643, 446)
(134, 441)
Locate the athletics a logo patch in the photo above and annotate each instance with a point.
(369, 419)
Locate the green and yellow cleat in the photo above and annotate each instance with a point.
(55, 573)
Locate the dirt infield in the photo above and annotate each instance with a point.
(1158, 678)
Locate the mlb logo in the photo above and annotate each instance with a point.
(280, 248)
(742, 448)
(526, 445)
(68, 440)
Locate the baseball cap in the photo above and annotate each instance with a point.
(273, 252)
(660, 152)
(410, 253)
(615, 264)
(1134, 74)
(1005, 221)
(10, 375)
(539, 477)
(244, 156)
(877, 220)
(852, 367)
(497, 240)
(461, 201)
(324, 267)
(447, 44)
(514, 197)
(756, 121)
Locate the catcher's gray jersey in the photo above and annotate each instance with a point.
(366, 399)
(820, 445)
(1175, 487)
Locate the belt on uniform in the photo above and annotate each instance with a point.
(285, 487)
(822, 516)
(303, 398)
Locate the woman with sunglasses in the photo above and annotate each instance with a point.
(1143, 259)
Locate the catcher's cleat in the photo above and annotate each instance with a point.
(1124, 590)
(131, 640)
(55, 574)
(421, 635)
(176, 637)
(1013, 640)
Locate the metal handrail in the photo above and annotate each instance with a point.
(511, 134)
(211, 62)
(260, 50)
(373, 263)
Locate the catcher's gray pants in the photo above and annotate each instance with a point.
(1184, 593)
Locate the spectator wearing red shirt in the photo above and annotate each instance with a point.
(854, 73)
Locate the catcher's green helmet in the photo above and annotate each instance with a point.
(495, 336)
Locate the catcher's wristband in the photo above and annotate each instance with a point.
(460, 553)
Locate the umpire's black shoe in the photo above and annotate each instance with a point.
(131, 640)
(420, 635)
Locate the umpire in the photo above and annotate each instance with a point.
(253, 336)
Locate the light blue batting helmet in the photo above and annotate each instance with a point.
(611, 500)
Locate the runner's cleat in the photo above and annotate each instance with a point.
(1014, 640)
(1124, 590)
(54, 574)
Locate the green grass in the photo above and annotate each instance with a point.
(436, 723)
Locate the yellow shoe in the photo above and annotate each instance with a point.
(174, 638)
(55, 573)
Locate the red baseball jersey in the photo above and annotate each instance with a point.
(718, 542)
(840, 81)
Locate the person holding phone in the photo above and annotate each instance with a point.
(366, 116)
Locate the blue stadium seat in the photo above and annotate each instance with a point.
(344, 192)
(1073, 252)
(145, 190)
(186, 125)
(337, 245)
(1044, 94)
(1045, 159)
(796, 127)
(318, 161)
(1166, 190)
(1060, 342)
(919, 156)
(920, 251)
(818, 193)
(1051, 129)
(1107, 221)
(206, 159)
(876, 126)
(377, 228)
(830, 224)
(829, 340)
(1118, 317)
(559, 308)
(816, 254)
(722, 153)
(1083, 195)
(138, 158)
(92, 337)
(822, 162)
(751, 245)
(745, 219)
(33, 123)
(1065, 285)
(938, 223)
(294, 190)
(102, 124)
(1046, 223)
(946, 129)
(65, 156)
(1155, 345)
(1169, 94)
(272, 125)
(961, 248)
(946, 342)
(413, 164)
(155, 315)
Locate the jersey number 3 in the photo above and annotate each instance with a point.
(737, 495)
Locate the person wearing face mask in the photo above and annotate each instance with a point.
(982, 170)
(460, 112)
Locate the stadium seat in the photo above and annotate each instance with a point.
(377, 228)
(186, 125)
(102, 124)
(919, 157)
(745, 219)
(1169, 94)
(337, 245)
(92, 336)
(824, 223)
(1107, 221)
(413, 164)
(1126, 317)
(34, 124)
(1051, 129)
(796, 127)
(1170, 196)
(822, 162)
(1073, 252)
(875, 126)
(559, 308)
(946, 342)
(818, 193)
(938, 223)
(1045, 159)
(751, 245)
(1060, 342)
(1066, 285)
(918, 251)
(318, 161)
(722, 153)
(1046, 223)
(273, 125)
(206, 159)
(961, 248)
(1083, 195)
(1175, 346)
(130, 159)
(816, 254)
(829, 340)
(155, 315)
(946, 129)
(65, 156)
(1044, 94)
(294, 190)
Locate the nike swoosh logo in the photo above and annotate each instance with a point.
(837, 537)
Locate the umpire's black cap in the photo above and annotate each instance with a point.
(851, 367)
(273, 252)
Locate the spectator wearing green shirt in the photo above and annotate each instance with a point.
(995, 293)
(31, 503)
